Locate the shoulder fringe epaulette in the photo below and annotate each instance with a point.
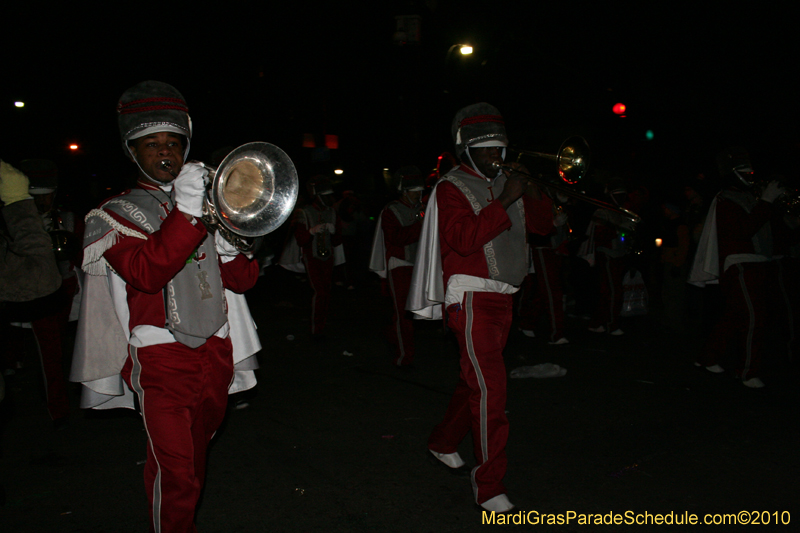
(94, 263)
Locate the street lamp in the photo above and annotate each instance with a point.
(465, 49)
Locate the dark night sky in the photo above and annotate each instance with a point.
(699, 78)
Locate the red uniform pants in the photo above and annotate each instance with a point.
(49, 332)
(610, 271)
(183, 395)
(481, 325)
(399, 281)
(320, 276)
(744, 288)
(543, 295)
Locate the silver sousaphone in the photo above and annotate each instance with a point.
(250, 194)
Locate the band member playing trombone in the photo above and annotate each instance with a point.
(472, 257)
(394, 250)
(163, 308)
(735, 249)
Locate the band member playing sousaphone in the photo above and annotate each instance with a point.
(315, 247)
(394, 250)
(472, 257)
(163, 315)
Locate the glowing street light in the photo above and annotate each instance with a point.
(338, 171)
(465, 49)
(73, 147)
(19, 104)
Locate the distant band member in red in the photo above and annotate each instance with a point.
(394, 250)
(315, 247)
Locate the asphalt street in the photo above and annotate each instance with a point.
(334, 438)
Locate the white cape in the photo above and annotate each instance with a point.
(101, 347)
(426, 294)
(705, 269)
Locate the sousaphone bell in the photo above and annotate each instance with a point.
(250, 194)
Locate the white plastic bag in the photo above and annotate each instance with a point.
(634, 295)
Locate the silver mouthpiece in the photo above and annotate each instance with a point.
(166, 164)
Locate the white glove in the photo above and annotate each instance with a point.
(772, 191)
(190, 189)
(13, 184)
(331, 228)
(224, 248)
(560, 219)
(317, 229)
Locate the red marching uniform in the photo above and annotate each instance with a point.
(481, 323)
(399, 236)
(319, 269)
(744, 252)
(183, 391)
(542, 290)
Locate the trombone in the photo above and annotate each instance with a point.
(572, 160)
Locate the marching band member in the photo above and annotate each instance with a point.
(315, 247)
(735, 248)
(163, 308)
(542, 290)
(472, 257)
(394, 250)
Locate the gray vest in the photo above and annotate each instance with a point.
(506, 254)
(407, 216)
(322, 240)
(194, 300)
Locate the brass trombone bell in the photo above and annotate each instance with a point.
(572, 159)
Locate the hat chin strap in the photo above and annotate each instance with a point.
(475, 168)
(744, 181)
(148, 176)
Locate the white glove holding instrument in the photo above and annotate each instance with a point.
(13, 184)
(190, 189)
(560, 219)
(225, 250)
(331, 228)
(317, 229)
(772, 191)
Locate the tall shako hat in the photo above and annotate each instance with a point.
(478, 125)
(153, 107)
(409, 179)
(42, 175)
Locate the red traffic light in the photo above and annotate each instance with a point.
(619, 109)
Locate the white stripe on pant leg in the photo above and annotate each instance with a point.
(136, 375)
(484, 436)
(789, 313)
(611, 286)
(751, 324)
(549, 297)
(313, 296)
(397, 325)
